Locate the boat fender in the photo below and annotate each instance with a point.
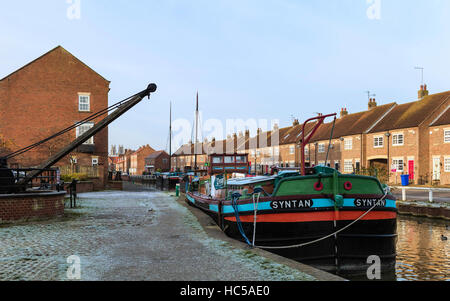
(318, 186)
(348, 185)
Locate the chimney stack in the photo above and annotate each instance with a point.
(423, 91)
(372, 103)
(344, 112)
(295, 123)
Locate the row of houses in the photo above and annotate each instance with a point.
(145, 160)
(386, 140)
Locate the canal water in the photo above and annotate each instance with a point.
(423, 254)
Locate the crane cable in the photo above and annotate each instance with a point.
(87, 119)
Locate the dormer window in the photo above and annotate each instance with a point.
(84, 102)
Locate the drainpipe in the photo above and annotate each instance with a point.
(388, 135)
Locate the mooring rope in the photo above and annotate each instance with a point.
(234, 199)
(328, 236)
(258, 195)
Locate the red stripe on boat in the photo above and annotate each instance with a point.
(315, 216)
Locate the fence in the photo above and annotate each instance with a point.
(431, 191)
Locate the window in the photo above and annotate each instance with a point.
(348, 166)
(292, 150)
(398, 164)
(94, 161)
(229, 160)
(378, 142)
(321, 148)
(357, 165)
(348, 144)
(277, 151)
(447, 136)
(84, 103)
(398, 139)
(240, 159)
(447, 164)
(83, 129)
(217, 160)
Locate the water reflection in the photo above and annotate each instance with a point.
(423, 255)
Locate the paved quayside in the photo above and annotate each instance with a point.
(142, 235)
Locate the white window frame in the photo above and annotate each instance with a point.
(276, 151)
(446, 164)
(399, 164)
(348, 144)
(321, 148)
(95, 161)
(292, 150)
(446, 136)
(348, 166)
(396, 140)
(378, 142)
(88, 126)
(84, 106)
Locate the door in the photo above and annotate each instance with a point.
(411, 170)
(436, 169)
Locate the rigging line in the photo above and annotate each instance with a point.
(328, 236)
(331, 138)
(89, 118)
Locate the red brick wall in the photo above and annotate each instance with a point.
(42, 98)
(15, 208)
(439, 149)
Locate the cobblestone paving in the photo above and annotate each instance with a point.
(128, 236)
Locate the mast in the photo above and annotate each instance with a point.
(170, 138)
(196, 136)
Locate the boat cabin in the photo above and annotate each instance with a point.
(226, 163)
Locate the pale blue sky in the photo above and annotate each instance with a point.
(247, 59)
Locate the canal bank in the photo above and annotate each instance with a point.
(213, 231)
(136, 235)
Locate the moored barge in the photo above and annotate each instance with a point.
(316, 216)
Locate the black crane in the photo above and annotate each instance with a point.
(12, 183)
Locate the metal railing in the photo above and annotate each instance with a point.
(430, 190)
(47, 180)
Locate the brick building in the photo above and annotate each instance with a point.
(440, 147)
(401, 141)
(47, 95)
(157, 161)
(137, 160)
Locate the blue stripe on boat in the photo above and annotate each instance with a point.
(318, 203)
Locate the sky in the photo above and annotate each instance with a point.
(255, 59)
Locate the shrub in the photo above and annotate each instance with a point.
(75, 176)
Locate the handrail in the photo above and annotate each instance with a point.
(304, 141)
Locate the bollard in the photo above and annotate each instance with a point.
(177, 189)
(431, 195)
(404, 194)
